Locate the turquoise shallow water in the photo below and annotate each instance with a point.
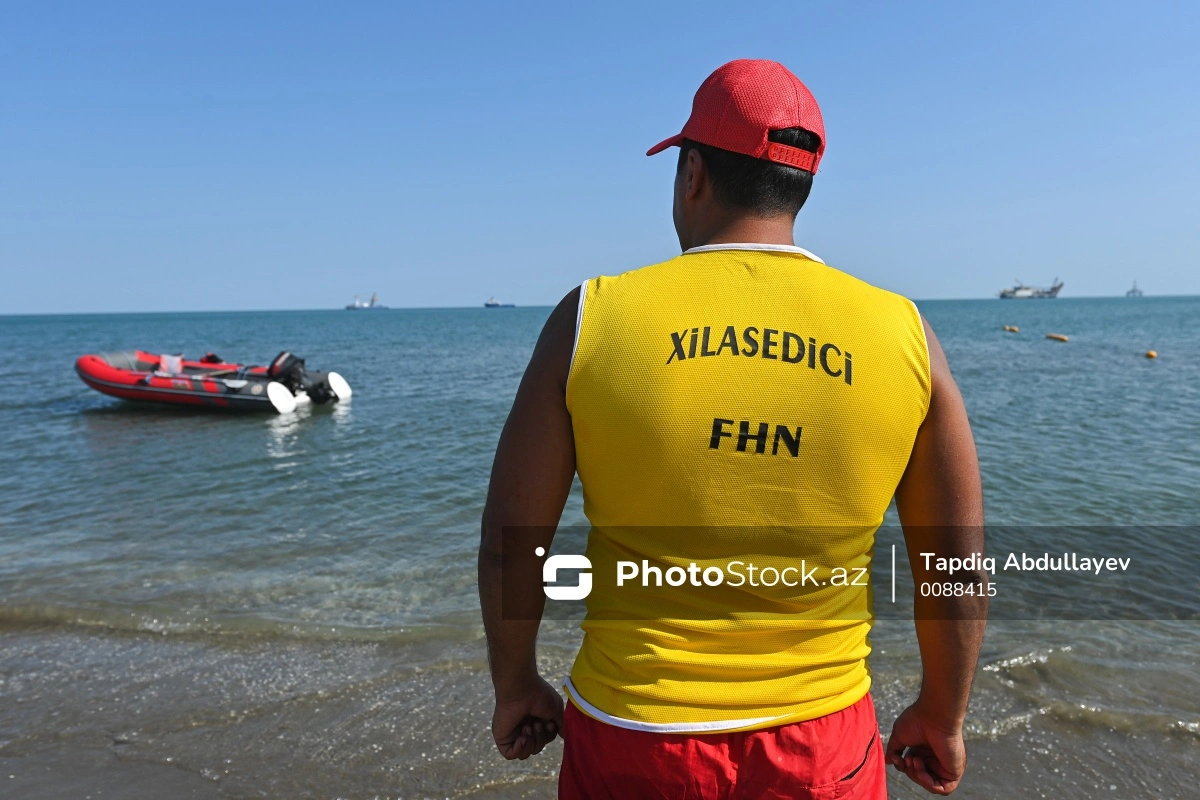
(286, 605)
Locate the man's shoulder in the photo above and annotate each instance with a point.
(638, 273)
(866, 288)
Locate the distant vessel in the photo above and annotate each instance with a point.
(494, 303)
(1134, 292)
(1020, 291)
(373, 305)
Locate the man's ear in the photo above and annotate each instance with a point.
(694, 175)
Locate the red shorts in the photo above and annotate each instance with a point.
(837, 756)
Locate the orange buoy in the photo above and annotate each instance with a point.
(1151, 354)
(1058, 337)
(1012, 329)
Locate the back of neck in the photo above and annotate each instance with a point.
(756, 230)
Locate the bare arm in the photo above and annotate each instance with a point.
(940, 500)
(531, 477)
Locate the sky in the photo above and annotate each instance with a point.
(192, 156)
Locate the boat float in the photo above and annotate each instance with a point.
(211, 381)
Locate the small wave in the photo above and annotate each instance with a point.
(228, 628)
(996, 728)
(1036, 657)
(73, 401)
(1123, 721)
(1190, 727)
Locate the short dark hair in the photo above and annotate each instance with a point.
(755, 184)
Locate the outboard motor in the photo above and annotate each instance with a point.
(320, 387)
(288, 370)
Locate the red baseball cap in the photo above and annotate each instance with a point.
(739, 104)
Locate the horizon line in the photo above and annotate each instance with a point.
(518, 305)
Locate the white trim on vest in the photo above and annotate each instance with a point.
(659, 727)
(578, 323)
(778, 248)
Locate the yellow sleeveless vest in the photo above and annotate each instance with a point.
(738, 406)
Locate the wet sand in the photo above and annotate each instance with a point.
(69, 773)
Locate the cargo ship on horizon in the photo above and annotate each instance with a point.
(1020, 291)
(373, 305)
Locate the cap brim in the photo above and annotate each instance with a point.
(674, 141)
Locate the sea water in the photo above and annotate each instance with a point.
(286, 605)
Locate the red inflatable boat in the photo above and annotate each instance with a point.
(137, 375)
